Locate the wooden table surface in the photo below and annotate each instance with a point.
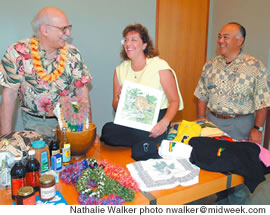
(209, 182)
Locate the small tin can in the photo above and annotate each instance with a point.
(26, 196)
(47, 187)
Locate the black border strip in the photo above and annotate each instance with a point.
(152, 199)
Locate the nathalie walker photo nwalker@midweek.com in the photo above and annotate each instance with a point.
(184, 209)
(168, 209)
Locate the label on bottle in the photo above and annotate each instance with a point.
(56, 162)
(55, 152)
(31, 200)
(66, 153)
(47, 193)
(16, 185)
(44, 163)
(32, 178)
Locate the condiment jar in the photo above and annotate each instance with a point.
(42, 154)
(26, 196)
(47, 187)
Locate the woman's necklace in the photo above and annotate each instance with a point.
(138, 74)
(38, 66)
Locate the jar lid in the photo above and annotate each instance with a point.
(46, 179)
(25, 191)
(31, 152)
(38, 144)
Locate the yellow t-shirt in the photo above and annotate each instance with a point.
(149, 76)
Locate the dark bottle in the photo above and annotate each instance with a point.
(54, 143)
(32, 171)
(17, 173)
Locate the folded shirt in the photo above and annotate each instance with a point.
(158, 174)
(172, 149)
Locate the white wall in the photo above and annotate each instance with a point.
(97, 30)
(252, 14)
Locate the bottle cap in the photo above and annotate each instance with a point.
(31, 152)
(38, 144)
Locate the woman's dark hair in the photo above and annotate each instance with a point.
(149, 51)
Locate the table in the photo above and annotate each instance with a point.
(209, 182)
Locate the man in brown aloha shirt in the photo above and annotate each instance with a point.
(19, 76)
(235, 88)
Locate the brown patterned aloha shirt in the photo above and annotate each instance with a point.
(242, 87)
(38, 96)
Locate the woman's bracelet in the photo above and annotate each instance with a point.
(202, 116)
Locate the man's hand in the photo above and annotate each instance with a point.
(255, 136)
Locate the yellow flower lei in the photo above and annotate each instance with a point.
(38, 66)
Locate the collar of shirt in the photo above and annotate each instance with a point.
(238, 59)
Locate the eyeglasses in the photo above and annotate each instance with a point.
(63, 29)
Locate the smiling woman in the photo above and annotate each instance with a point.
(142, 65)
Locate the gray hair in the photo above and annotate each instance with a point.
(38, 20)
(242, 30)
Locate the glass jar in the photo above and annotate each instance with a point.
(26, 196)
(47, 187)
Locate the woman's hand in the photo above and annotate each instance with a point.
(159, 129)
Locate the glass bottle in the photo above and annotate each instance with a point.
(65, 146)
(54, 143)
(18, 172)
(32, 171)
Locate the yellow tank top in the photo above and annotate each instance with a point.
(149, 76)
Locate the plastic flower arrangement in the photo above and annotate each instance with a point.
(73, 113)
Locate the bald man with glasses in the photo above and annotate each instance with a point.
(39, 70)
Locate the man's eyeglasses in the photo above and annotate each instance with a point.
(63, 29)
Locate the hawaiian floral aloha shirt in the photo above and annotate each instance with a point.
(242, 87)
(38, 96)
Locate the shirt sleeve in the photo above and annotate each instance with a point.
(201, 90)
(10, 66)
